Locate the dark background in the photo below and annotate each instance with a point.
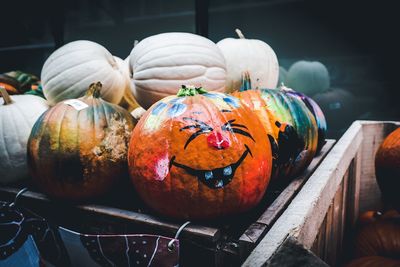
(356, 40)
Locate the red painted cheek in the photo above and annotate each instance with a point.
(218, 141)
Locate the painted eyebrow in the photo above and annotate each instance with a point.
(196, 120)
(236, 130)
(235, 124)
(226, 110)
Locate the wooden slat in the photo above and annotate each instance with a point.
(351, 160)
(198, 231)
(307, 211)
(259, 228)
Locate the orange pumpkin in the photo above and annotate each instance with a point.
(78, 149)
(199, 155)
(374, 261)
(379, 238)
(387, 167)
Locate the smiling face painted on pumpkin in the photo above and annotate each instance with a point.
(217, 138)
(200, 151)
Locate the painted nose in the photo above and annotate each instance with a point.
(218, 141)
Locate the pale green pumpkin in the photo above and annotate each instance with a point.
(308, 77)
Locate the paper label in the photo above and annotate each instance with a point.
(76, 104)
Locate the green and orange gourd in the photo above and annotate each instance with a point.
(207, 158)
(78, 150)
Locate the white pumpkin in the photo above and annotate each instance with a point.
(252, 56)
(17, 117)
(69, 71)
(308, 77)
(163, 62)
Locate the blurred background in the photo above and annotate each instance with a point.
(353, 39)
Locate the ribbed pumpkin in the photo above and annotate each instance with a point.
(69, 71)
(379, 238)
(249, 55)
(17, 116)
(162, 63)
(199, 155)
(78, 148)
(308, 77)
(316, 111)
(387, 168)
(298, 136)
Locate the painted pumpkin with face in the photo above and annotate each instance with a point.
(199, 155)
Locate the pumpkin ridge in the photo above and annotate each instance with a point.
(181, 54)
(68, 91)
(150, 49)
(59, 54)
(53, 76)
(140, 72)
(2, 138)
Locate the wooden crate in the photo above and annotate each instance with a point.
(326, 208)
(221, 243)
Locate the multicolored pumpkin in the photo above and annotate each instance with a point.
(249, 55)
(290, 126)
(308, 77)
(18, 82)
(298, 132)
(17, 116)
(199, 155)
(387, 168)
(78, 148)
(161, 63)
(316, 111)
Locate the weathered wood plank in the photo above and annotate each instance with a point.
(258, 229)
(198, 231)
(308, 210)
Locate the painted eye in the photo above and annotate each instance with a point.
(236, 128)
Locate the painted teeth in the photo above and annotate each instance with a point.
(208, 175)
(219, 184)
(227, 170)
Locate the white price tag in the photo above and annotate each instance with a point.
(76, 104)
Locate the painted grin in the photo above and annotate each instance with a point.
(215, 178)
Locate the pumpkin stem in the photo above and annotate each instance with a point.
(284, 88)
(94, 90)
(6, 97)
(135, 43)
(191, 91)
(240, 34)
(246, 82)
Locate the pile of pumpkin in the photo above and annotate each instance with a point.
(196, 153)
(376, 242)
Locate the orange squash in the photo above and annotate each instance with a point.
(199, 155)
(387, 168)
(78, 149)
